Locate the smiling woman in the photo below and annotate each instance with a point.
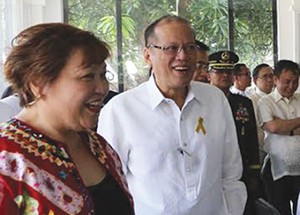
(56, 164)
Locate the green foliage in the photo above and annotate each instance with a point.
(253, 31)
(252, 21)
(108, 27)
(253, 34)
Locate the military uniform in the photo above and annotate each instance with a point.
(244, 118)
(245, 123)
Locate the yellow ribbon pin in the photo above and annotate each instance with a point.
(200, 126)
(51, 212)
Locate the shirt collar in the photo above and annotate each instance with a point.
(156, 97)
(279, 97)
(235, 90)
(190, 95)
(193, 92)
(259, 92)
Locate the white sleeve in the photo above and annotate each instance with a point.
(264, 111)
(109, 129)
(6, 112)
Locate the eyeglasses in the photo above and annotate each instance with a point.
(266, 76)
(174, 49)
(202, 65)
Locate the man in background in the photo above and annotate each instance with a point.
(201, 72)
(9, 104)
(263, 79)
(241, 79)
(279, 116)
(221, 75)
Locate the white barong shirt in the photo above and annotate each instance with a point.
(284, 150)
(177, 162)
(9, 107)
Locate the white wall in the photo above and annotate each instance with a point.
(296, 9)
(31, 12)
(289, 29)
(20, 14)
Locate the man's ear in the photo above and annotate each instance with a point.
(235, 77)
(208, 76)
(275, 79)
(147, 56)
(254, 80)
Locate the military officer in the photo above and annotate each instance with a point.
(221, 75)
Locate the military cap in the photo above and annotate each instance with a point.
(222, 60)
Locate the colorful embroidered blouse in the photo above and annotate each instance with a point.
(37, 175)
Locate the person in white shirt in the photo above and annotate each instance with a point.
(279, 116)
(9, 107)
(5, 112)
(7, 92)
(263, 78)
(176, 138)
(241, 79)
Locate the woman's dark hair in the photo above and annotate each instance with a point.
(40, 52)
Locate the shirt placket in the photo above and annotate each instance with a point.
(188, 157)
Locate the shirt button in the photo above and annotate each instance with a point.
(185, 144)
(188, 169)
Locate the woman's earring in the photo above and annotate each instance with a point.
(34, 101)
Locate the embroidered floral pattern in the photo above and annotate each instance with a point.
(40, 180)
(35, 143)
(22, 147)
(31, 205)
